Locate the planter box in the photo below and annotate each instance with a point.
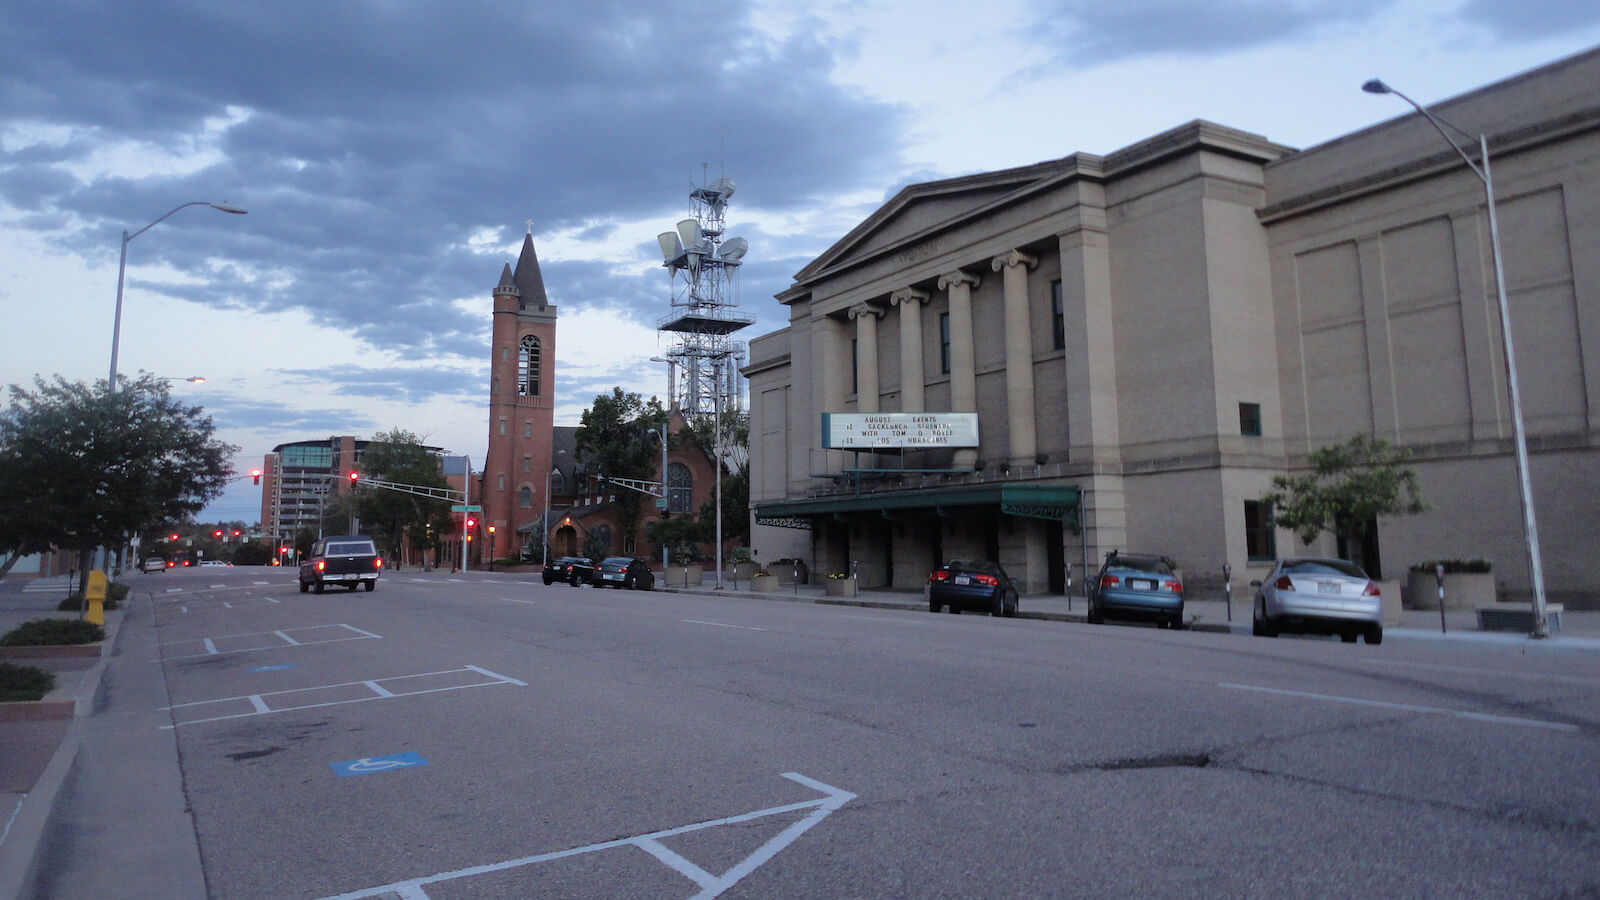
(1391, 603)
(1462, 590)
(683, 576)
(785, 572)
(765, 583)
(744, 571)
(840, 587)
(1517, 617)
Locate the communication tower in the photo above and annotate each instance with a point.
(703, 363)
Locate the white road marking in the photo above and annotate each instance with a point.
(258, 704)
(1407, 707)
(286, 638)
(710, 885)
(517, 600)
(722, 625)
(212, 649)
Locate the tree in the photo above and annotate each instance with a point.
(736, 478)
(613, 440)
(1350, 484)
(82, 467)
(399, 456)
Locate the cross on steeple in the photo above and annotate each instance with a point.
(530, 226)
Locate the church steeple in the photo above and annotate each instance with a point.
(529, 281)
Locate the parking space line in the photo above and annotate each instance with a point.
(722, 625)
(260, 704)
(286, 638)
(282, 639)
(710, 885)
(210, 647)
(1407, 707)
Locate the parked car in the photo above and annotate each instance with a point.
(153, 564)
(1318, 595)
(1137, 586)
(574, 570)
(349, 559)
(216, 564)
(972, 584)
(624, 572)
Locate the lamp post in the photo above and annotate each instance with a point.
(546, 522)
(1541, 625)
(122, 268)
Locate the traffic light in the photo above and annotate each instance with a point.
(172, 537)
(217, 533)
(236, 532)
(355, 477)
(255, 476)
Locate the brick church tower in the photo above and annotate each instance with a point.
(521, 408)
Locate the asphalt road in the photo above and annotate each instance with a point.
(490, 736)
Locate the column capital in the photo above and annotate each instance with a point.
(1013, 258)
(862, 310)
(908, 296)
(959, 276)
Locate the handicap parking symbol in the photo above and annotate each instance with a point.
(370, 764)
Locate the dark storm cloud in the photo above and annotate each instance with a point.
(1095, 33)
(377, 138)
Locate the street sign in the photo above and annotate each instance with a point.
(466, 507)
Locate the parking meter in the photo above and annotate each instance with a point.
(1227, 588)
(1438, 575)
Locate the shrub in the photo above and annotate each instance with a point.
(39, 632)
(24, 682)
(1456, 566)
(116, 592)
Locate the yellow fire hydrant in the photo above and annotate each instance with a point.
(96, 594)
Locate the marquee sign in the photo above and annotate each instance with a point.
(876, 431)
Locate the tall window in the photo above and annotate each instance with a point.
(525, 498)
(528, 367)
(1259, 541)
(944, 343)
(1250, 419)
(527, 464)
(1058, 320)
(680, 489)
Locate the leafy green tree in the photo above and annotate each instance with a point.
(1350, 484)
(736, 478)
(399, 456)
(82, 467)
(613, 440)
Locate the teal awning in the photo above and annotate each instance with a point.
(1055, 502)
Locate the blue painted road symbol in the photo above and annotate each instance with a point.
(272, 668)
(369, 764)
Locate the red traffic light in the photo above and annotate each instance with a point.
(255, 476)
(471, 522)
(236, 532)
(217, 533)
(172, 537)
(355, 477)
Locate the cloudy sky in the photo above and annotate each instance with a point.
(389, 153)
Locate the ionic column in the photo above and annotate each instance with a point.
(963, 367)
(1019, 353)
(866, 316)
(910, 301)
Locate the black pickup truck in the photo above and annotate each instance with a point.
(347, 559)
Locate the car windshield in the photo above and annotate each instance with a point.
(1154, 564)
(351, 548)
(1323, 567)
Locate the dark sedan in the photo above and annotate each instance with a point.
(624, 572)
(574, 570)
(971, 584)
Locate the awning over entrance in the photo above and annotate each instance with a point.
(1056, 502)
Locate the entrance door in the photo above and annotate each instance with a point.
(1055, 556)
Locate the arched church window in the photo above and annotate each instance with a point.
(680, 489)
(528, 367)
(525, 498)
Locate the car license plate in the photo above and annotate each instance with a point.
(613, 577)
(1327, 587)
(963, 579)
(349, 576)
(1141, 584)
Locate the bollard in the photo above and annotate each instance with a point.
(95, 592)
(1069, 586)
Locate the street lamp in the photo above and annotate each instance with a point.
(122, 267)
(546, 522)
(1541, 625)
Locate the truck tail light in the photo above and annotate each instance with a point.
(377, 563)
(322, 565)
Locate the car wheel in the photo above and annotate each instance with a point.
(573, 581)
(1374, 635)
(1259, 625)
(317, 588)
(1349, 637)
(1094, 616)
(304, 587)
(933, 605)
(631, 584)
(997, 606)
(1011, 608)
(1176, 622)
(371, 586)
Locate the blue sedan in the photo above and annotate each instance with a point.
(1137, 586)
(972, 584)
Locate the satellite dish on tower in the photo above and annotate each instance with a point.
(733, 250)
